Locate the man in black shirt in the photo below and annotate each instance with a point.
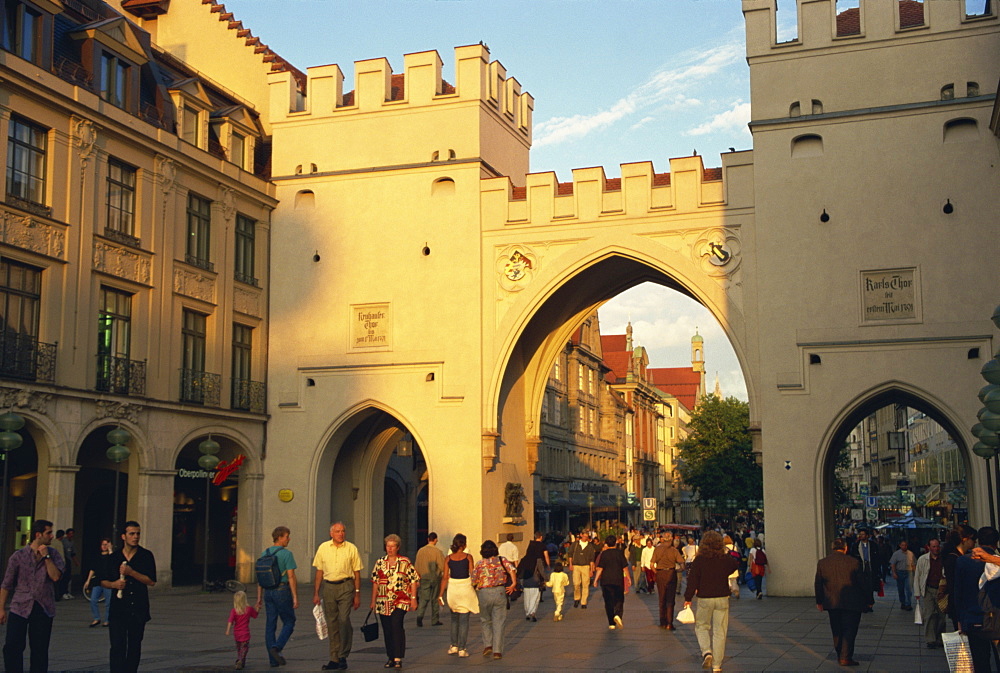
(129, 573)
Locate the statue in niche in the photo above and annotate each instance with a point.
(514, 500)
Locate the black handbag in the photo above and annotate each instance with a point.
(369, 631)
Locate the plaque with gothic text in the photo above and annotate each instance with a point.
(890, 295)
(371, 327)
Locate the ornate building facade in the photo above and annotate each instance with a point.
(134, 278)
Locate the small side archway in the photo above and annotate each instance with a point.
(863, 406)
(371, 475)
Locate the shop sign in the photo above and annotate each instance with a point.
(225, 469)
(219, 476)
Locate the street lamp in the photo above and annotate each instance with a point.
(988, 428)
(117, 453)
(208, 462)
(10, 440)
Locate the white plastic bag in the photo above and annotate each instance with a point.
(321, 631)
(686, 616)
(956, 648)
(917, 619)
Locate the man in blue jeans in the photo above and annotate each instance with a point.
(282, 600)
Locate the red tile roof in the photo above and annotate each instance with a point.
(564, 188)
(849, 22)
(911, 13)
(397, 90)
(711, 175)
(682, 382)
(661, 179)
(615, 356)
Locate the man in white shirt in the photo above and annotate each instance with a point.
(509, 550)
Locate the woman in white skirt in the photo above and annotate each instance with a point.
(462, 598)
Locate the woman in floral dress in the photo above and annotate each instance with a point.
(394, 593)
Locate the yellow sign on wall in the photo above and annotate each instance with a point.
(649, 515)
(286, 495)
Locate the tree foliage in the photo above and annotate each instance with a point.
(716, 460)
(842, 496)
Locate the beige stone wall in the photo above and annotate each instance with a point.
(883, 176)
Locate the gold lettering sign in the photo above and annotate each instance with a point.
(889, 295)
(371, 326)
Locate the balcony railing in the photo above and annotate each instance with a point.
(249, 396)
(24, 357)
(121, 375)
(122, 237)
(200, 387)
(199, 262)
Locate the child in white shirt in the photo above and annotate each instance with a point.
(558, 581)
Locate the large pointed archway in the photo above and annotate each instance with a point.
(549, 323)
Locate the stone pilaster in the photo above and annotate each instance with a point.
(153, 508)
(55, 502)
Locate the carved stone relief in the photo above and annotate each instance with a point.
(167, 172)
(84, 137)
(24, 231)
(194, 285)
(121, 262)
(228, 200)
(121, 410)
(18, 398)
(246, 302)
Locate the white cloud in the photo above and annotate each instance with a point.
(735, 118)
(665, 86)
(642, 122)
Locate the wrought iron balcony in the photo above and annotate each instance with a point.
(121, 375)
(122, 237)
(245, 278)
(200, 387)
(249, 396)
(199, 262)
(24, 357)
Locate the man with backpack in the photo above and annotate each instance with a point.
(276, 582)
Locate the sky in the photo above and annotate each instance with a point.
(614, 82)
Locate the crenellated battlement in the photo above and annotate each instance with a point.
(906, 50)
(820, 25)
(688, 187)
(377, 88)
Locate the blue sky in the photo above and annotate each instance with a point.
(614, 82)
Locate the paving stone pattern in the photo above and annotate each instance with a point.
(187, 634)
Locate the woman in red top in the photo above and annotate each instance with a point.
(394, 593)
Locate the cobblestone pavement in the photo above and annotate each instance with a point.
(774, 634)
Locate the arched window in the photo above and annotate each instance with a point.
(961, 130)
(809, 145)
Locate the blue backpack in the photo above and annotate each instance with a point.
(268, 572)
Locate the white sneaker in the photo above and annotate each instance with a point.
(618, 622)
(463, 653)
(67, 596)
(452, 650)
(611, 627)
